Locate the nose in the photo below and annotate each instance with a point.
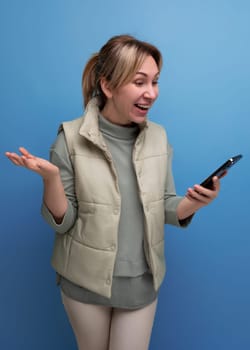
(151, 91)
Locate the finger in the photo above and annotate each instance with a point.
(16, 162)
(223, 174)
(14, 158)
(25, 152)
(190, 197)
(209, 192)
(202, 191)
(216, 183)
(199, 194)
(194, 194)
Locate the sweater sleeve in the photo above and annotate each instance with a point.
(59, 156)
(171, 200)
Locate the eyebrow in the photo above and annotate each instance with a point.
(145, 75)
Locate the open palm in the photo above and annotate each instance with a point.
(39, 165)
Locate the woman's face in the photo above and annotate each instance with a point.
(131, 102)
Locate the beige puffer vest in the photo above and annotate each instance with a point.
(86, 254)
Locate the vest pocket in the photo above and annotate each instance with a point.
(96, 226)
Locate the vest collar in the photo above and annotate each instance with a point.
(90, 125)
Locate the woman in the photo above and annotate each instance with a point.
(108, 191)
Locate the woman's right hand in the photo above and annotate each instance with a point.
(39, 165)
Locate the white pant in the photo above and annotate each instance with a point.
(105, 328)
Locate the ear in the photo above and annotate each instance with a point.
(106, 88)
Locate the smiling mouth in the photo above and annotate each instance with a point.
(142, 107)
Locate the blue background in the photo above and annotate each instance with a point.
(204, 105)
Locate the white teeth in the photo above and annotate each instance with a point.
(143, 106)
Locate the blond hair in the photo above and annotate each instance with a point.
(117, 62)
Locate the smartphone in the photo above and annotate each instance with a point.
(208, 183)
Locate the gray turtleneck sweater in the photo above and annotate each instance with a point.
(130, 260)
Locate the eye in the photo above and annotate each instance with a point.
(155, 82)
(139, 82)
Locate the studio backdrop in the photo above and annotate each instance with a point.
(204, 302)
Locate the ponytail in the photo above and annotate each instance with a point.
(90, 80)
